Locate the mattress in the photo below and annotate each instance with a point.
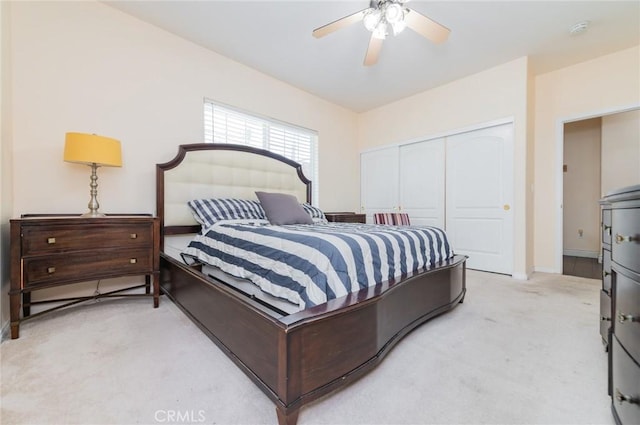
(311, 264)
(175, 245)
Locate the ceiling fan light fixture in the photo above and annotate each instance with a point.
(383, 17)
(393, 13)
(372, 19)
(398, 27)
(380, 31)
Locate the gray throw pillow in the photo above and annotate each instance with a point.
(281, 208)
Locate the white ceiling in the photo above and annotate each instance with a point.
(274, 37)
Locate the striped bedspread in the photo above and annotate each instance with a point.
(310, 264)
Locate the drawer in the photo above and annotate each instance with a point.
(605, 315)
(625, 385)
(606, 227)
(606, 271)
(626, 325)
(83, 266)
(625, 246)
(62, 238)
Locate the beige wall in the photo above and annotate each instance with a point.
(585, 90)
(581, 193)
(497, 93)
(86, 67)
(6, 180)
(620, 150)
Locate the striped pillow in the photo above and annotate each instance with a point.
(316, 213)
(210, 211)
(396, 219)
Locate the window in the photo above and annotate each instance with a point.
(224, 124)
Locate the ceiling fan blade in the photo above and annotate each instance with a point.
(426, 27)
(339, 24)
(375, 44)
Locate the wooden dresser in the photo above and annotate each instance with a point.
(624, 338)
(346, 217)
(49, 251)
(605, 293)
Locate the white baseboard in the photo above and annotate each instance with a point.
(520, 276)
(545, 270)
(580, 253)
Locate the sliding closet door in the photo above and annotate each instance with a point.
(422, 182)
(479, 197)
(379, 181)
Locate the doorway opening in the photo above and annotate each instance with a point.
(582, 184)
(599, 154)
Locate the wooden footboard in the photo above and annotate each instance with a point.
(297, 358)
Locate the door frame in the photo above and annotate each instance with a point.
(560, 176)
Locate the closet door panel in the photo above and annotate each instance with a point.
(479, 197)
(422, 182)
(379, 181)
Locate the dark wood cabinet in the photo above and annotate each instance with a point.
(346, 217)
(605, 293)
(624, 280)
(49, 251)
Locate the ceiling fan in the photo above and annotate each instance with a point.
(383, 17)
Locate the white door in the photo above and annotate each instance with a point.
(479, 197)
(379, 181)
(422, 182)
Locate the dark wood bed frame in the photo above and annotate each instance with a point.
(297, 358)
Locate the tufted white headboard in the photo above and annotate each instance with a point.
(215, 170)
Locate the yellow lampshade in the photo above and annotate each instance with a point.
(92, 149)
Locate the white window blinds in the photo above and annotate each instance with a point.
(223, 124)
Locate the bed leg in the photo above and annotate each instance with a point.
(287, 418)
(464, 294)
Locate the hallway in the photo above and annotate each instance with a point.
(582, 267)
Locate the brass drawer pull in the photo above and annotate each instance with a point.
(133, 260)
(51, 270)
(51, 241)
(622, 318)
(625, 398)
(620, 238)
(133, 235)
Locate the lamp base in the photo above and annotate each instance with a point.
(93, 214)
(93, 202)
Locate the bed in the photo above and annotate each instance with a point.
(293, 355)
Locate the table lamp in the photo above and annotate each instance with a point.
(94, 151)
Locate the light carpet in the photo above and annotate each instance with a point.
(514, 353)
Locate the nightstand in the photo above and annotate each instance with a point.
(346, 217)
(56, 250)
